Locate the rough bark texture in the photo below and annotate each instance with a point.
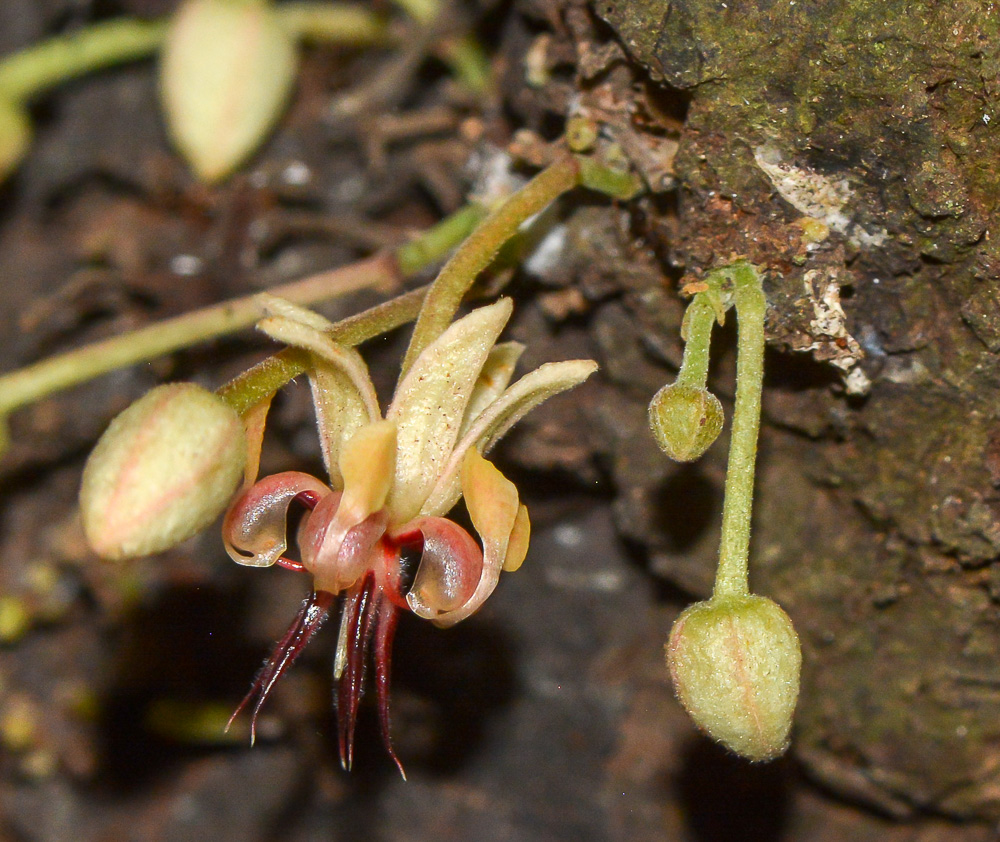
(850, 148)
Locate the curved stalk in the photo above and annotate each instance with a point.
(476, 253)
(699, 319)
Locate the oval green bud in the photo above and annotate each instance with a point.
(15, 136)
(685, 421)
(735, 666)
(164, 469)
(227, 69)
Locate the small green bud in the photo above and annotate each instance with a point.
(685, 421)
(735, 665)
(164, 469)
(227, 70)
(15, 136)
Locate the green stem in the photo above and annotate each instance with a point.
(33, 382)
(340, 23)
(264, 379)
(36, 381)
(437, 241)
(475, 254)
(31, 71)
(732, 579)
(699, 319)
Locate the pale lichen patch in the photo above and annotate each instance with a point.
(817, 196)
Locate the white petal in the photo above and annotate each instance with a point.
(493, 379)
(431, 400)
(516, 402)
(343, 394)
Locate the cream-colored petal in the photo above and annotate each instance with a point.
(430, 403)
(319, 344)
(336, 542)
(492, 380)
(516, 402)
(368, 463)
(494, 508)
(531, 390)
(339, 414)
(343, 394)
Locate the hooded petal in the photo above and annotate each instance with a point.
(451, 567)
(431, 400)
(255, 526)
(516, 402)
(342, 389)
(493, 505)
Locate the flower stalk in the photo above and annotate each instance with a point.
(732, 577)
(735, 658)
(476, 253)
(684, 416)
(39, 380)
(34, 382)
(699, 319)
(36, 69)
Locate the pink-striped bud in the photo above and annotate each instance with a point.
(164, 469)
(735, 665)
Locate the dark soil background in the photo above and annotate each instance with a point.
(549, 715)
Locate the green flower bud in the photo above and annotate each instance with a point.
(164, 469)
(685, 421)
(228, 68)
(735, 665)
(15, 136)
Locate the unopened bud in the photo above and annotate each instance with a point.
(228, 68)
(735, 666)
(164, 469)
(685, 421)
(15, 136)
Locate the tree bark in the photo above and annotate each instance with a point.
(849, 147)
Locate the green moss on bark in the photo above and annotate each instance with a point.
(850, 146)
